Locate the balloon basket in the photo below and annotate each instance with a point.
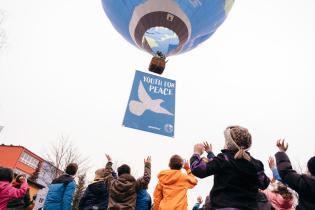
(157, 65)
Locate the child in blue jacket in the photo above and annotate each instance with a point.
(60, 193)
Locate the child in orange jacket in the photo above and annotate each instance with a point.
(171, 190)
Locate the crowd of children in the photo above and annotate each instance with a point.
(239, 182)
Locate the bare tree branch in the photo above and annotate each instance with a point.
(64, 152)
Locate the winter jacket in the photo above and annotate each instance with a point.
(263, 202)
(8, 192)
(171, 190)
(236, 182)
(20, 203)
(95, 196)
(144, 201)
(60, 193)
(277, 201)
(196, 207)
(304, 185)
(123, 190)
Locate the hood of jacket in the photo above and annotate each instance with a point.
(170, 177)
(124, 186)
(65, 178)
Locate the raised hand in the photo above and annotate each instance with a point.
(22, 179)
(147, 160)
(271, 162)
(198, 149)
(109, 159)
(282, 146)
(199, 199)
(207, 147)
(186, 165)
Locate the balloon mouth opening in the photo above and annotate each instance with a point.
(160, 39)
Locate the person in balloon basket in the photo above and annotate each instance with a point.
(303, 184)
(96, 194)
(19, 203)
(237, 175)
(7, 191)
(61, 190)
(123, 190)
(173, 184)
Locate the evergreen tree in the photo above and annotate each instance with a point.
(79, 191)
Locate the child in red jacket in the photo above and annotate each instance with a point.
(7, 191)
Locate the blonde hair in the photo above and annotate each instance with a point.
(99, 173)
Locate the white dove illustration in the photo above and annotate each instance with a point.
(146, 103)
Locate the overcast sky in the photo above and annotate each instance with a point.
(65, 71)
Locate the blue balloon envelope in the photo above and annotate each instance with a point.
(168, 26)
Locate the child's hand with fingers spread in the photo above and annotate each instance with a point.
(147, 160)
(198, 149)
(109, 159)
(271, 163)
(283, 147)
(207, 147)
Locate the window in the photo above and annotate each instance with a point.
(29, 160)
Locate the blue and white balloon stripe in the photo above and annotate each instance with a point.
(169, 26)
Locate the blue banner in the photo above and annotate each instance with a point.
(151, 105)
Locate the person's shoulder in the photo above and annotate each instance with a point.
(96, 185)
(125, 178)
(225, 155)
(309, 178)
(63, 179)
(258, 164)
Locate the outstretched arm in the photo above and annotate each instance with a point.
(208, 149)
(19, 193)
(201, 167)
(288, 175)
(108, 174)
(191, 179)
(144, 181)
(273, 168)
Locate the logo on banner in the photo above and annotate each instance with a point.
(151, 105)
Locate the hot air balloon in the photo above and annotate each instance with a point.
(166, 27)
